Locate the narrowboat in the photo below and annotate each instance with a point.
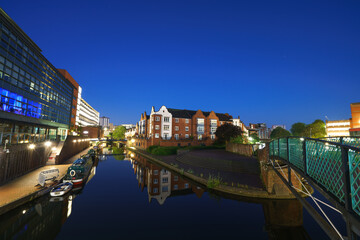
(79, 170)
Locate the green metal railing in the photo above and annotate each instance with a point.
(334, 165)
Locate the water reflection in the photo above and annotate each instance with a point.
(283, 218)
(44, 217)
(40, 219)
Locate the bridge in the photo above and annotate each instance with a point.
(332, 167)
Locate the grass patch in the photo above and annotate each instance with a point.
(157, 150)
(213, 181)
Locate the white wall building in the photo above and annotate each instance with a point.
(338, 128)
(86, 115)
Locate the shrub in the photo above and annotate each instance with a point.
(213, 181)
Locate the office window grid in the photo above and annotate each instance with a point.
(33, 78)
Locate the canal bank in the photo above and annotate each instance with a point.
(26, 188)
(243, 191)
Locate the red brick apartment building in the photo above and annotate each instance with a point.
(176, 127)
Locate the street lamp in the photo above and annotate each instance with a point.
(32, 146)
(48, 144)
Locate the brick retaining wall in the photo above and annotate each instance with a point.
(243, 149)
(21, 160)
(72, 146)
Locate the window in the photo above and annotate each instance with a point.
(213, 129)
(176, 187)
(156, 181)
(155, 190)
(200, 121)
(186, 185)
(213, 122)
(176, 128)
(156, 135)
(165, 188)
(200, 137)
(176, 178)
(166, 127)
(165, 179)
(200, 129)
(186, 120)
(176, 120)
(187, 129)
(157, 127)
(166, 119)
(212, 136)
(156, 172)
(186, 135)
(176, 136)
(157, 119)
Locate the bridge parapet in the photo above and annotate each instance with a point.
(332, 165)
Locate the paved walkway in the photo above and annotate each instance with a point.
(27, 184)
(233, 169)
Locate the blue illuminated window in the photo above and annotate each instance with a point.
(14, 103)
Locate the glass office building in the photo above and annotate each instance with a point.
(35, 99)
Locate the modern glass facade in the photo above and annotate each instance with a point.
(30, 86)
(16, 133)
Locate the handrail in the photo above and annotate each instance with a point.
(325, 141)
(333, 166)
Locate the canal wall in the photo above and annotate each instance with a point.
(72, 146)
(19, 159)
(242, 149)
(250, 193)
(273, 184)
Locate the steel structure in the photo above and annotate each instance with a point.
(332, 166)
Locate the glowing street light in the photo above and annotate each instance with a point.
(32, 146)
(48, 144)
(132, 140)
(53, 149)
(250, 139)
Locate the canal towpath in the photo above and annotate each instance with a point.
(26, 188)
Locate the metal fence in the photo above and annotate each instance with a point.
(333, 164)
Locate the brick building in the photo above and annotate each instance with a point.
(355, 119)
(176, 127)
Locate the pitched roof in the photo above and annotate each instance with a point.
(183, 113)
(223, 117)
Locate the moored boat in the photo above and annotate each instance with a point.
(61, 189)
(79, 170)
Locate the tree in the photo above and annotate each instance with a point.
(279, 132)
(119, 132)
(226, 132)
(316, 129)
(239, 139)
(298, 129)
(254, 138)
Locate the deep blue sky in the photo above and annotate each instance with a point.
(276, 62)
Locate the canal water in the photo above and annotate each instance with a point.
(128, 197)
